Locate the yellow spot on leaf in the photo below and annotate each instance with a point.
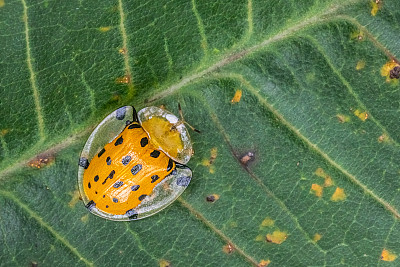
(4, 131)
(264, 263)
(277, 237)
(359, 35)
(122, 51)
(208, 162)
(228, 248)
(360, 64)
(164, 263)
(267, 222)
(388, 255)
(75, 196)
(260, 238)
(328, 181)
(85, 218)
(317, 237)
(236, 98)
(321, 173)
(339, 195)
(317, 189)
(125, 79)
(362, 115)
(375, 6)
(105, 29)
(2, 3)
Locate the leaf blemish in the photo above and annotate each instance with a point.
(2, 3)
(375, 6)
(105, 29)
(267, 222)
(122, 51)
(318, 190)
(317, 237)
(236, 98)
(362, 115)
(247, 158)
(164, 263)
(209, 162)
(338, 195)
(75, 197)
(277, 237)
(123, 80)
(264, 263)
(360, 65)
(321, 173)
(384, 138)
(228, 248)
(387, 255)
(343, 118)
(212, 198)
(85, 218)
(391, 70)
(42, 160)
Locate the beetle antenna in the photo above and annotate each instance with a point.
(185, 122)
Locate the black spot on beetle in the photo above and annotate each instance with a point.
(183, 181)
(126, 160)
(144, 142)
(104, 196)
(154, 178)
(101, 152)
(108, 160)
(142, 197)
(95, 192)
(90, 205)
(89, 185)
(83, 162)
(170, 165)
(135, 169)
(115, 200)
(111, 175)
(135, 187)
(107, 206)
(120, 113)
(132, 214)
(119, 141)
(118, 184)
(134, 126)
(96, 178)
(155, 154)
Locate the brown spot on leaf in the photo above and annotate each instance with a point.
(277, 237)
(247, 158)
(391, 70)
(212, 198)
(342, 118)
(228, 248)
(42, 160)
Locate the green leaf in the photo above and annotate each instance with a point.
(303, 169)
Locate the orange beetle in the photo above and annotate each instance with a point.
(132, 165)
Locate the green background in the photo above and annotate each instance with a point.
(62, 71)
